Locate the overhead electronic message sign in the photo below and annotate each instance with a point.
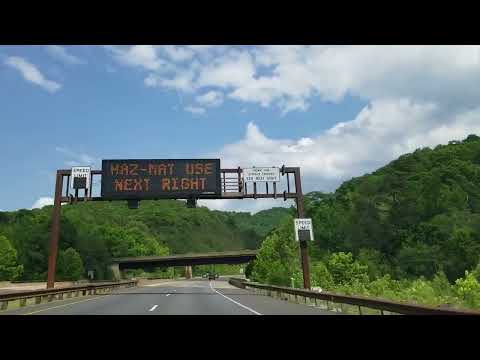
(160, 179)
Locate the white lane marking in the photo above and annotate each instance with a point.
(167, 295)
(235, 302)
(153, 307)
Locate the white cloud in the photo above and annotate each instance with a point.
(60, 53)
(291, 77)
(41, 202)
(211, 98)
(178, 53)
(182, 81)
(139, 55)
(31, 73)
(79, 159)
(416, 96)
(233, 69)
(382, 131)
(195, 110)
(246, 205)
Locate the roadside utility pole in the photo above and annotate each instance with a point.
(303, 244)
(52, 259)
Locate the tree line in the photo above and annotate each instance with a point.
(91, 234)
(410, 230)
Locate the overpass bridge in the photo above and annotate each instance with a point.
(187, 260)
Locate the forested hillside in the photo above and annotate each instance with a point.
(92, 233)
(421, 213)
(415, 218)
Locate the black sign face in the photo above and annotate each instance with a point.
(304, 235)
(160, 179)
(79, 182)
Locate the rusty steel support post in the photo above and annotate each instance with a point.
(224, 182)
(52, 259)
(303, 244)
(91, 185)
(240, 188)
(68, 186)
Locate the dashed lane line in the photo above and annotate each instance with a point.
(235, 302)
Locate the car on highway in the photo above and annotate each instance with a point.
(212, 276)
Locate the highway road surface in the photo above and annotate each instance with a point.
(180, 297)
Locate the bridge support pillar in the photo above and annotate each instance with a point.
(188, 272)
(116, 272)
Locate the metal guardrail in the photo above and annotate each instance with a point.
(48, 295)
(358, 301)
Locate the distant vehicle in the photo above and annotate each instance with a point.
(212, 276)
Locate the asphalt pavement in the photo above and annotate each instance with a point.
(181, 297)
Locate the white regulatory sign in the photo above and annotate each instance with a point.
(80, 175)
(261, 174)
(303, 229)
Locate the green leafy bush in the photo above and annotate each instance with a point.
(70, 265)
(9, 268)
(346, 271)
(277, 259)
(468, 290)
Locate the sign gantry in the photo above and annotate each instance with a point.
(134, 180)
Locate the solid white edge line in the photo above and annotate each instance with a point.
(235, 302)
(153, 308)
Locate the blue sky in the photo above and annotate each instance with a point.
(337, 112)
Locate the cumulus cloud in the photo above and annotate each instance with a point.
(416, 96)
(195, 110)
(246, 205)
(211, 98)
(139, 55)
(178, 53)
(382, 131)
(32, 74)
(78, 159)
(41, 202)
(60, 53)
(291, 77)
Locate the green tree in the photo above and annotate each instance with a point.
(417, 259)
(249, 269)
(69, 265)
(442, 288)
(345, 270)
(468, 289)
(320, 276)
(375, 261)
(384, 287)
(277, 259)
(9, 268)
